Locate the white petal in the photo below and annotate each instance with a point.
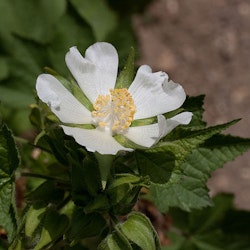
(97, 72)
(167, 125)
(61, 102)
(143, 135)
(153, 94)
(95, 140)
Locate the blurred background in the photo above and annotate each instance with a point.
(204, 45)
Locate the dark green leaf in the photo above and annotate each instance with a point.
(47, 192)
(84, 226)
(187, 186)
(157, 165)
(9, 161)
(54, 226)
(222, 227)
(195, 105)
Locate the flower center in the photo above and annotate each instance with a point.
(114, 111)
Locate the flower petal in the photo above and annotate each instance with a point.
(153, 94)
(95, 140)
(96, 73)
(167, 125)
(61, 102)
(143, 135)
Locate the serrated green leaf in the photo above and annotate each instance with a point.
(98, 15)
(126, 76)
(181, 142)
(9, 161)
(157, 165)
(187, 186)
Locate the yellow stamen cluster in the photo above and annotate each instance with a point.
(115, 111)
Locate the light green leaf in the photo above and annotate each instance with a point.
(136, 232)
(98, 15)
(138, 229)
(33, 219)
(9, 161)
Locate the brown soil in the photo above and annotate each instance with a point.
(205, 46)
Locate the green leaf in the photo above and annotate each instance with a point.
(195, 105)
(9, 161)
(54, 225)
(98, 15)
(84, 226)
(4, 68)
(123, 191)
(182, 141)
(41, 29)
(47, 192)
(115, 241)
(136, 232)
(126, 76)
(92, 176)
(157, 165)
(219, 229)
(187, 186)
(34, 217)
(138, 229)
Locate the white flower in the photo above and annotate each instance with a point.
(150, 94)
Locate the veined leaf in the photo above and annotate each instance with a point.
(187, 186)
(136, 232)
(9, 161)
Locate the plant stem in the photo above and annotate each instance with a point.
(34, 175)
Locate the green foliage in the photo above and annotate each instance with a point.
(9, 161)
(55, 27)
(75, 199)
(187, 185)
(222, 227)
(135, 233)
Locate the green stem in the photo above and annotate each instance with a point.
(34, 175)
(105, 163)
(21, 140)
